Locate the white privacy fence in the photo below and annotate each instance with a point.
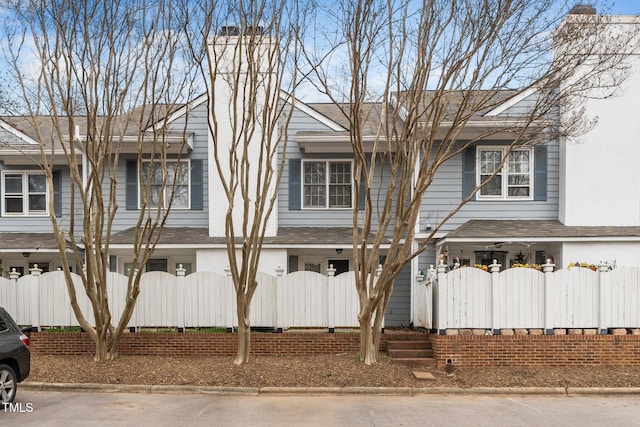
(529, 299)
(202, 299)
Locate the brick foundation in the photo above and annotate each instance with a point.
(537, 350)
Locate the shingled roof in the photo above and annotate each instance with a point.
(536, 230)
(28, 242)
(289, 236)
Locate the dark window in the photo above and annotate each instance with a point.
(157, 265)
(341, 265)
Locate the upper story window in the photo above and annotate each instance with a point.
(327, 184)
(153, 174)
(25, 194)
(513, 181)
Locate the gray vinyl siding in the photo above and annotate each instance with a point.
(522, 107)
(445, 194)
(197, 124)
(399, 309)
(301, 121)
(317, 217)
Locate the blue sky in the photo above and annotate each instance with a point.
(625, 7)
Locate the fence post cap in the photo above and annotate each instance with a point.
(181, 271)
(13, 274)
(35, 270)
(548, 267)
(279, 270)
(331, 271)
(603, 266)
(495, 267)
(379, 270)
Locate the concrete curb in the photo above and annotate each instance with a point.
(609, 391)
(330, 391)
(495, 391)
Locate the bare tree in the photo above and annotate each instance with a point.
(98, 81)
(249, 49)
(439, 67)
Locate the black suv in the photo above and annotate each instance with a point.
(15, 358)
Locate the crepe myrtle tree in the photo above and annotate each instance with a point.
(246, 50)
(97, 81)
(440, 68)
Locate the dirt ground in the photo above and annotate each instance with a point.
(336, 370)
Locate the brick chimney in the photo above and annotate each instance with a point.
(583, 9)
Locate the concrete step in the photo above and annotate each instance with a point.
(412, 353)
(409, 353)
(409, 345)
(422, 362)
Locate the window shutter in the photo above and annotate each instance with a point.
(293, 263)
(132, 185)
(197, 185)
(540, 173)
(57, 193)
(468, 171)
(295, 184)
(362, 195)
(113, 263)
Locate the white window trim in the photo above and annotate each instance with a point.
(327, 162)
(25, 194)
(141, 186)
(504, 174)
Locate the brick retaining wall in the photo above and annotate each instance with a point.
(537, 350)
(460, 350)
(215, 344)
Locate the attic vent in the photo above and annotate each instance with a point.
(235, 30)
(582, 9)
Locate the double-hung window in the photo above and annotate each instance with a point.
(160, 191)
(513, 181)
(25, 194)
(327, 184)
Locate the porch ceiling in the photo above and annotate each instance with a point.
(287, 237)
(536, 230)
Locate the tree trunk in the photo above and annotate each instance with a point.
(368, 349)
(244, 331)
(102, 347)
(244, 343)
